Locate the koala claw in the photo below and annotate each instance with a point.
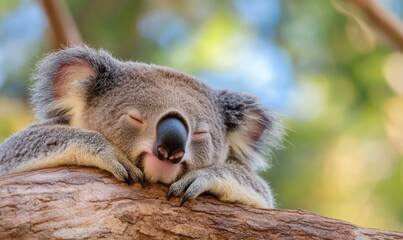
(130, 175)
(126, 171)
(173, 192)
(192, 184)
(134, 174)
(184, 199)
(169, 196)
(129, 181)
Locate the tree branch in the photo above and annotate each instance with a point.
(62, 25)
(77, 203)
(383, 19)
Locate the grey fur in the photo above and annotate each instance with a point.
(82, 98)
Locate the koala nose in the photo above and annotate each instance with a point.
(171, 140)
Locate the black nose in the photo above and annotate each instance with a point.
(171, 140)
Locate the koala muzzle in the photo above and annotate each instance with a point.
(171, 140)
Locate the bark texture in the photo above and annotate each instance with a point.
(78, 203)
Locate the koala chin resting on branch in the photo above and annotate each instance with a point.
(145, 123)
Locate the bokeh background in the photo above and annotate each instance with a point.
(336, 80)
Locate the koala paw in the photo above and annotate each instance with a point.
(195, 183)
(229, 185)
(117, 164)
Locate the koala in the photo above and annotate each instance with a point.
(146, 124)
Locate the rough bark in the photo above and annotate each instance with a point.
(77, 203)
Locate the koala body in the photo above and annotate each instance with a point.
(145, 123)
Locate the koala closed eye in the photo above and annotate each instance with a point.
(201, 132)
(136, 118)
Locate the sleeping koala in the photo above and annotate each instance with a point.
(145, 123)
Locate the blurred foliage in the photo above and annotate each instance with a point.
(342, 163)
(343, 155)
(6, 5)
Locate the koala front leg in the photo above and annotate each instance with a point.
(51, 145)
(229, 182)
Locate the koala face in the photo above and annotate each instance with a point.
(127, 102)
(128, 115)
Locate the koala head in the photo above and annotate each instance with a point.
(166, 122)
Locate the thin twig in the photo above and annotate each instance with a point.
(384, 20)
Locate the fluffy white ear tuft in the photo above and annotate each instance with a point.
(68, 73)
(69, 89)
(245, 139)
(64, 80)
(251, 129)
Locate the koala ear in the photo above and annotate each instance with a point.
(65, 79)
(252, 130)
